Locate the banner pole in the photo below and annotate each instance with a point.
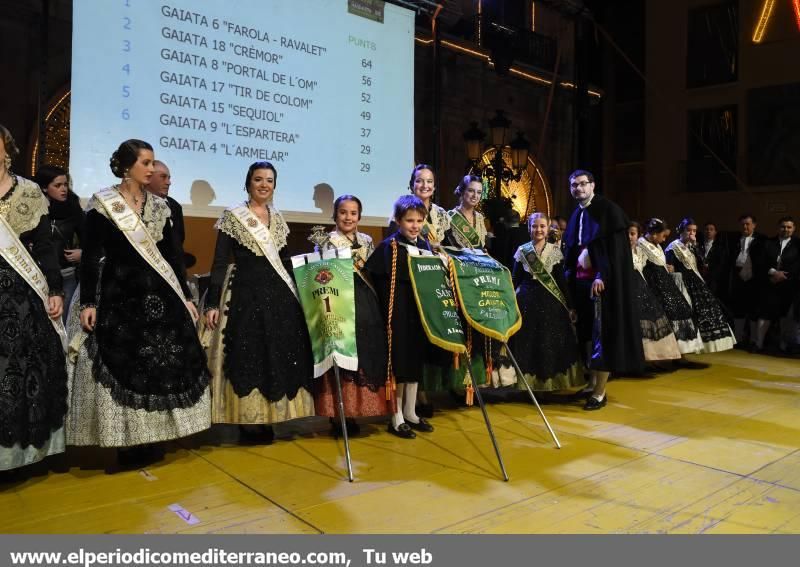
(343, 422)
(485, 416)
(528, 386)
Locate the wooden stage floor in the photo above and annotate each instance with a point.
(700, 451)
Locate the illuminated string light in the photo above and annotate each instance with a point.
(513, 70)
(480, 20)
(766, 15)
(796, 4)
(533, 15)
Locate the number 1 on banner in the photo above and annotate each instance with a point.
(327, 301)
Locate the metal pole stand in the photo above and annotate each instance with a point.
(521, 376)
(343, 422)
(485, 417)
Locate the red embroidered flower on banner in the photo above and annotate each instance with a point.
(323, 276)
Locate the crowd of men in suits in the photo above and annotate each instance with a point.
(756, 277)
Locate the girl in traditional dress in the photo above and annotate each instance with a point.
(659, 277)
(363, 392)
(546, 346)
(707, 313)
(467, 230)
(467, 224)
(437, 221)
(67, 221)
(33, 375)
(260, 351)
(140, 376)
(658, 338)
(409, 348)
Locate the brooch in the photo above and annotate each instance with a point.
(252, 223)
(118, 208)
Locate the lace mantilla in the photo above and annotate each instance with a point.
(155, 213)
(639, 258)
(684, 255)
(24, 206)
(480, 228)
(653, 252)
(278, 230)
(440, 221)
(338, 240)
(551, 255)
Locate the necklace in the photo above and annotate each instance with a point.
(474, 216)
(128, 194)
(266, 218)
(354, 243)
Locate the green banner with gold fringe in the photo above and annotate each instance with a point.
(326, 292)
(485, 293)
(435, 302)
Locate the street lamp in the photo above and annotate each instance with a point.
(496, 171)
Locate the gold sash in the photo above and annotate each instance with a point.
(684, 255)
(263, 238)
(17, 256)
(132, 226)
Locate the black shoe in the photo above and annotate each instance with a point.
(423, 425)
(593, 404)
(424, 410)
(403, 431)
(256, 434)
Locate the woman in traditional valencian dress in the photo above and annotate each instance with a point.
(546, 346)
(33, 375)
(437, 219)
(363, 392)
(659, 277)
(467, 230)
(707, 313)
(658, 338)
(140, 376)
(259, 349)
(467, 224)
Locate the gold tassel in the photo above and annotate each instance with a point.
(455, 360)
(470, 394)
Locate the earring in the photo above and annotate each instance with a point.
(7, 161)
(125, 175)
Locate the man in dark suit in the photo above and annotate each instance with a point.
(779, 271)
(713, 255)
(159, 185)
(744, 287)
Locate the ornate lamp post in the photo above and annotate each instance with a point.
(496, 172)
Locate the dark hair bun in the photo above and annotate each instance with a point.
(126, 156)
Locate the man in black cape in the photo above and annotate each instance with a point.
(599, 270)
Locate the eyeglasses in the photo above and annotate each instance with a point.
(581, 184)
